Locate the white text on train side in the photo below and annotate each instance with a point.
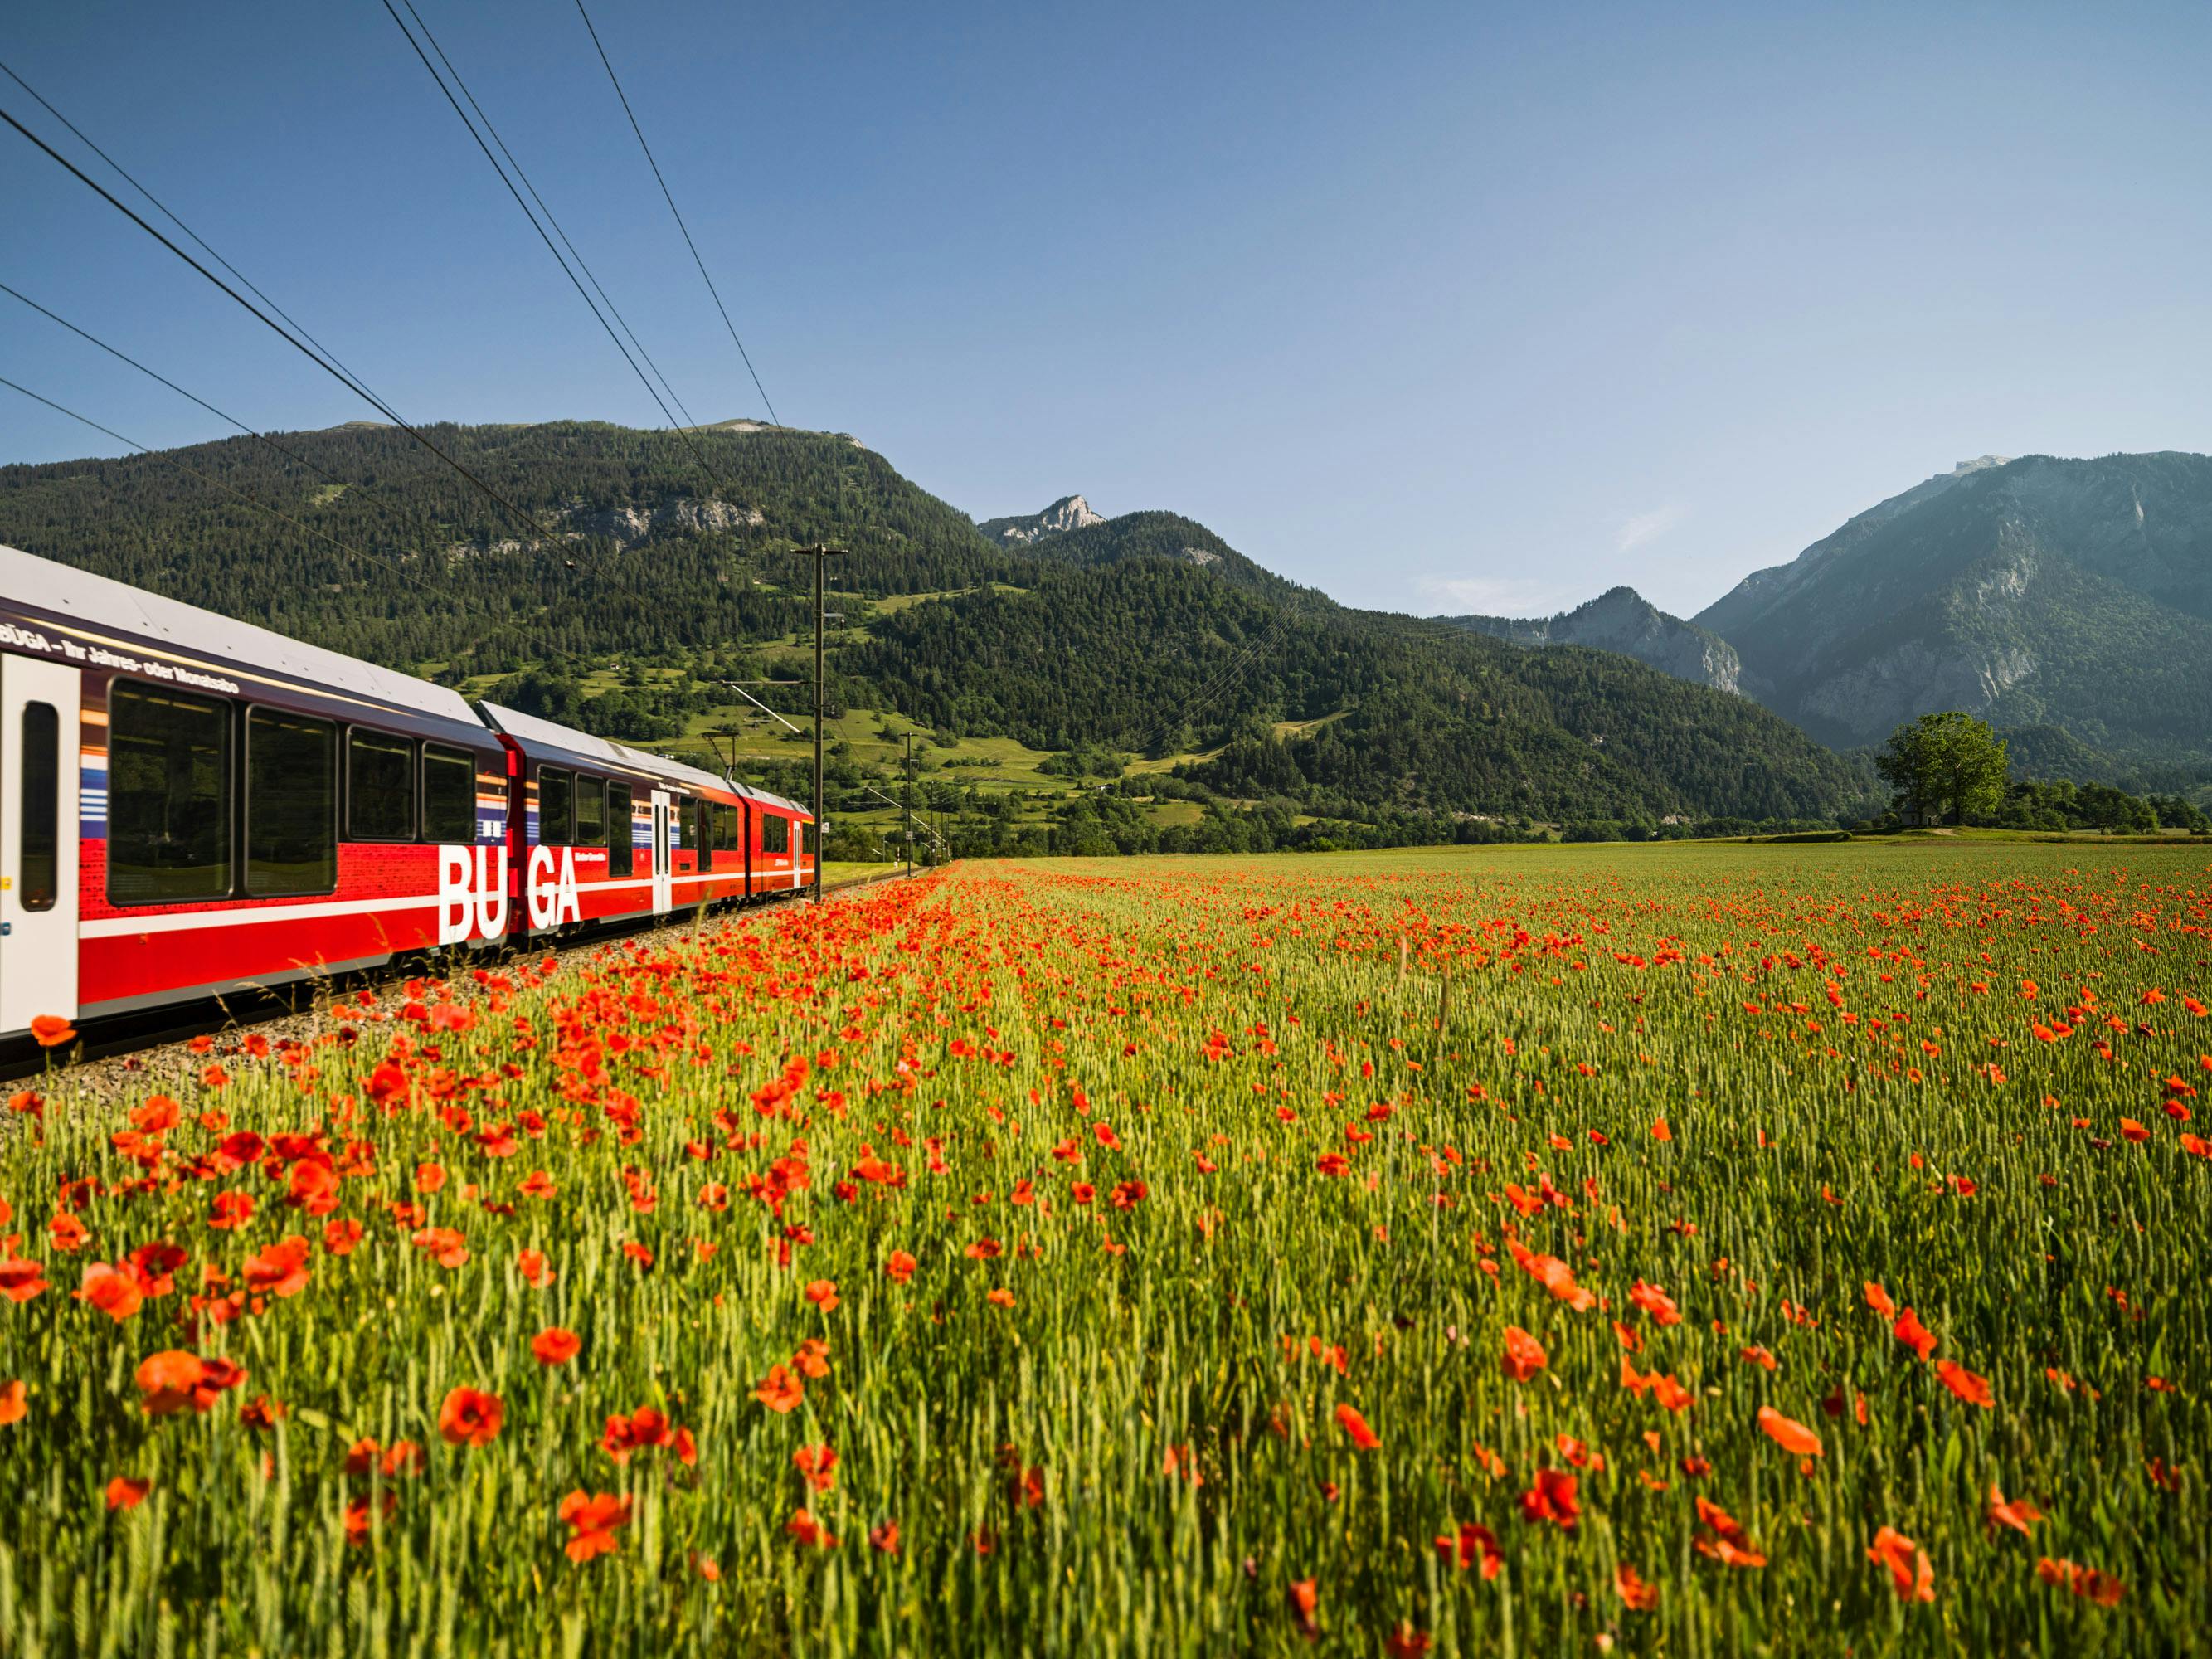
(553, 899)
(471, 893)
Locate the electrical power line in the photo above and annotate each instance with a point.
(313, 354)
(672, 208)
(589, 274)
(85, 334)
(444, 593)
(582, 291)
(161, 208)
(245, 496)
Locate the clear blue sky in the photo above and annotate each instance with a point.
(1437, 307)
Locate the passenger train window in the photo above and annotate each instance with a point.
(775, 834)
(379, 786)
(726, 828)
(291, 804)
(555, 786)
(449, 794)
(590, 812)
(806, 838)
(700, 842)
(621, 843)
(168, 802)
(41, 845)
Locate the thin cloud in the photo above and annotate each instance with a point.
(1496, 595)
(1647, 527)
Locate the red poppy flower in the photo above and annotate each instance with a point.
(1970, 1388)
(1354, 1424)
(592, 1520)
(1304, 1596)
(113, 1291)
(1721, 1538)
(1524, 1356)
(809, 1531)
(125, 1494)
(469, 1416)
(1788, 1433)
(20, 1279)
(1470, 1544)
(282, 1269)
(1910, 1573)
(556, 1346)
(2020, 1514)
(1552, 1498)
(52, 1030)
(900, 1267)
(2085, 1582)
(782, 1392)
(1656, 1302)
(1914, 1334)
(817, 1465)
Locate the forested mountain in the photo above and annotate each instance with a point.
(1152, 654)
(634, 544)
(1145, 633)
(1623, 620)
(2065, 595)
(1166, 536)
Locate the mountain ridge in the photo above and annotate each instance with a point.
(2038, 592)
(1622, 620)
(1147, 631)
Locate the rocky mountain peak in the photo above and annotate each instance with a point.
(1067, 513)
(1621, 619)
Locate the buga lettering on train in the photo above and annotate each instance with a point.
(552, 887)
(471, 894)
(192, 805)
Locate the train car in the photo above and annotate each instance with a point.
(192, 805)
(601, 832)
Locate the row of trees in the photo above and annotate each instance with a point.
(1950, 767)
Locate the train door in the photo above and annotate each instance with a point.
(38, 737)
(663, 868)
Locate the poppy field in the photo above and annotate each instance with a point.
(1689, 1249)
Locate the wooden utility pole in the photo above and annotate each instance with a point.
(818, 554)
(906, 829)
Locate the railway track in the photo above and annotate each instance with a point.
(132, 1053)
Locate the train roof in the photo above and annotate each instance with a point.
(105, 605)
(551, 734)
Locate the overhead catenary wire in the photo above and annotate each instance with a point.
(582, 291)
(669, 196)
(245, 496)
(85, 334)
(445, 594)
(313, 354)
(162, 208)
(592, 276)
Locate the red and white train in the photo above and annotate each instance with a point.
(192, 805)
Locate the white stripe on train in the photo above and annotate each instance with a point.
(178, 922)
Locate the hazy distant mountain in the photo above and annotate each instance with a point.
(1068, 513)
(1623, 620)
(2039, 593)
